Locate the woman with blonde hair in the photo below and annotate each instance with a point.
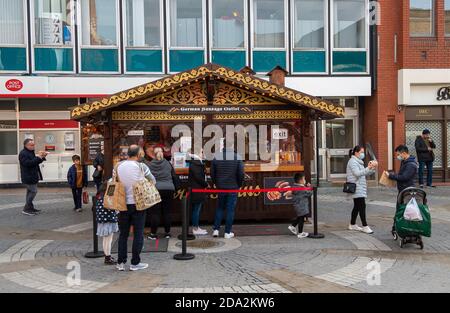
(167, 182)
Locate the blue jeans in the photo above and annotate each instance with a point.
(226, 201)
(196, 208)
(429, 166)
(134, 218)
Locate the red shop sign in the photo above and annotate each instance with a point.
(29, 124)
(14, 85)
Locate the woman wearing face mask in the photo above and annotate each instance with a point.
(356, 173)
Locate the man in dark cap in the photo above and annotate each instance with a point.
(425, 155)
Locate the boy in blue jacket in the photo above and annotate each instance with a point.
(77, 179)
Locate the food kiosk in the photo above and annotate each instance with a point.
(213, 96)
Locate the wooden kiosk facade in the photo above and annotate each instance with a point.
(146, 114)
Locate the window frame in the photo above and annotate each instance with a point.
(125, 39)
(325, 48)
(25, 39)
(246, 32)
(366, 49)
(252, 28)
(34, 45)
(81, 46)
(447, 35)
(433, 22)
(168, 32)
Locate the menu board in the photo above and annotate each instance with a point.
(277, 197)
(95, 147)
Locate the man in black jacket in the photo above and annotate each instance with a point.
(30, 174)
(227, 172)
(425, 155)
(408, 169)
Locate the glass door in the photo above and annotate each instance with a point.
(340, 138)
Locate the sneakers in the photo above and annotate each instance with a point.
(367, 230)
(140, 266)
(199, 232)
(79, 210)
(152, 237)
(293, 229)
(354, 227)
(109, 260)
(28, 212)
(120, 267)
(36, 211)
(215, 233)
(228, 235)
(302, 235)
(167, 235)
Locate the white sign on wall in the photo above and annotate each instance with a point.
(279, 133)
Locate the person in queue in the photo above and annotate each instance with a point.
(30, 174)
(425, 155)
(301, 205)
(99, 164)
(129, 173)
(227, 172)
(197, 180)
(166, 183)
(357, 173)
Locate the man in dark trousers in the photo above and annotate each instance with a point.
(407, 173)
(227, 172)
(425, 155)
(30, 174)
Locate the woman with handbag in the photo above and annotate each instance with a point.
(166, 182)
(357, 186)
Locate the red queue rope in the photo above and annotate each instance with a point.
(251, 190)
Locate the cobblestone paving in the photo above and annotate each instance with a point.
(35, 253)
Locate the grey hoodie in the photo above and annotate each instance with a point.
(162, 170)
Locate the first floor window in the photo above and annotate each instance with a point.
(53, 22)
(143, 23)
(228, 23)
(186, 23)
(99, 22)
(309, 23)
(447, 17)
(349, 23)
(12, 22)
(421, 17)
(268, 22)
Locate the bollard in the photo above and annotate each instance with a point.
(315, 234)
(189, 236)
(184, 256)
(94, 254)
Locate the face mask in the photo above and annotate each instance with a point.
(362, 156)
(399, 157)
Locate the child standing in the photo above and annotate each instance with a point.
(301, 205)
(77, 179)
(106, 224)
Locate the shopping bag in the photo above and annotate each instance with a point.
(115, 197)
(407, 228)
(145, 193)
(412, 211)
(85, 197)
(385, 181)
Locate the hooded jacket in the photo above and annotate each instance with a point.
(407, 174)
(197, 178)
(423, 154)
(164, 173)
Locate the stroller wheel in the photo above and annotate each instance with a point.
(395, 235)
(402, 243)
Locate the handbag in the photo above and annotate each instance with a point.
(349, 187)
(97, 174)
(115, 197)
(145, 193)
(85, 197)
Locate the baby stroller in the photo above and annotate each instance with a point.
(409, 231)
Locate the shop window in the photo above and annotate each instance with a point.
(8, 140)
(99, 52)
(186, 34)
(47, 104)
(268, 34)
(143, 31)
(228, 33)
(447, 17)
(12, 36)
(53, 37)
(414, 129)
(7, 105)
(421, 18)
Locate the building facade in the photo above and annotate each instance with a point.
(413, 79)
(55, 54)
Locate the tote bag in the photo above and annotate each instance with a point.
(115, 197)
(145, 193)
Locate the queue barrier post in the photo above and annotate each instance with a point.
(96, 253)
(184, 256)
(189, 236)
(315, 234)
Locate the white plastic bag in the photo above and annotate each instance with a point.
(412, 211)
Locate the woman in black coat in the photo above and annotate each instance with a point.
(197, 180)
